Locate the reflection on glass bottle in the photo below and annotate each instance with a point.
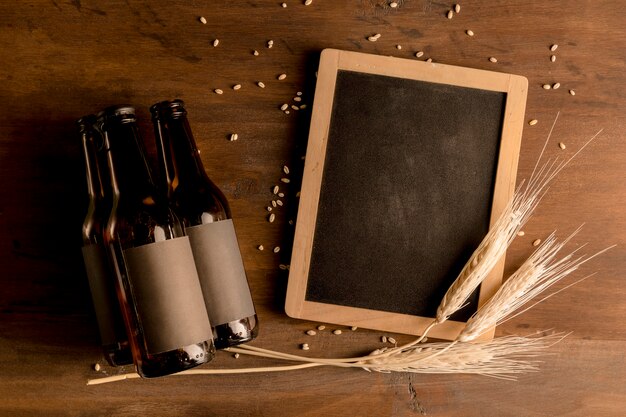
(205, 214)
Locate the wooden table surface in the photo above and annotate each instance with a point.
(61, 59)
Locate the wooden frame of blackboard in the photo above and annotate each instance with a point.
(332, 61)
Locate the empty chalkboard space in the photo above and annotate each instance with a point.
(408, 164)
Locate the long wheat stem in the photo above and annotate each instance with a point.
(502, 358)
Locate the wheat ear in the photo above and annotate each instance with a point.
(501, 235)
(540, 271)
(503, 357)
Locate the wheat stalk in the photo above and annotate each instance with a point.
(537, 274)
(503, 357)
(489, 252)
(501, 235)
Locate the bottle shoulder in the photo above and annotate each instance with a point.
(196, 200)
(136, 222)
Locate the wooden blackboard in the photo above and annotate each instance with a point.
(408, 164)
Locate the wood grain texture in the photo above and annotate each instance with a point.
(62, 59)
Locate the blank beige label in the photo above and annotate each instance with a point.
(167, 294)
(220, 268)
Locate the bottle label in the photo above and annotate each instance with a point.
(167, 294)
(220, 268)
(103, 293)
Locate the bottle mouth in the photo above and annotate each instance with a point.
(86, 123)
(119, 114)
(170, 108)
(113, 116)
(87, 126)
(122, 112)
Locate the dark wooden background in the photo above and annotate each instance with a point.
(61, 59)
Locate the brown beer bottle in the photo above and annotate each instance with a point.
(101, 281)
(157, 282)
(205, 215)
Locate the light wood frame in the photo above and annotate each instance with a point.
(331, 62)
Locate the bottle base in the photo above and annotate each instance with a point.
(118, 354)
(168, 363)
(236, 332)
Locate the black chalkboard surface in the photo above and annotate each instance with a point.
(399, 189)
(406, 191)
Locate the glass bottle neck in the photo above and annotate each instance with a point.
(91, 225)
(190, 191)
(127, 161)
(179, 156)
